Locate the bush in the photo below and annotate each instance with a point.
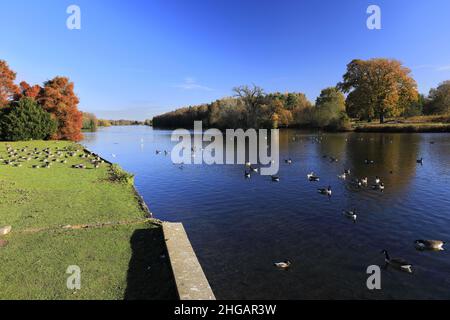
(25, 120)
(120, 175)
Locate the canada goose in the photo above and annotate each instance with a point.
(364, 180)
(398, 263)
(351, 214)
(377, 180)
(309, 175)
(420, 161)
(347, 171)
(275, 178)
(367, 161)
(332, 159)
(342, 176)
(313, 178)
(325, 191)
(284, 265)
(288, 161)
(158, 151)
(247, 175)
(254, 169)
(378, 186)
(429, 245)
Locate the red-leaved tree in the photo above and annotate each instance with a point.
(7, 87)
(25, 90)
(58, 98)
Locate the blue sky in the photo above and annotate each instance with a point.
(136, 59)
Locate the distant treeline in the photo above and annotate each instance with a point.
(252, 108)
(370, 89)
(91, 123)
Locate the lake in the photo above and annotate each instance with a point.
(239, 227)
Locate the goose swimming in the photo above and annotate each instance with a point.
(398, 263)
(342, 176)
(247, 175)
(275, 178)
(325, 191)
(429, 245)
(351, 214)
(378, 186)
(419, 161)
(284, 265)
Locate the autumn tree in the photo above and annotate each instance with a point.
(7, 87)
(90, 122)
(378, 88)
(253, 99)
(439, 99)
(58, 98)
(26, 90)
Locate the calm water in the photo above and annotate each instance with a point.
(239, 227)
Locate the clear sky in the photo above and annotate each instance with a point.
(136, 59)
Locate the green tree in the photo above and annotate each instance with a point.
(378, 88)
(331, 96)
(25, 120)
(439, 99)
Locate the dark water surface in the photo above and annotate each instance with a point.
(239, 227)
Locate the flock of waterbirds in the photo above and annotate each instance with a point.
(362, 182)
(46, 157)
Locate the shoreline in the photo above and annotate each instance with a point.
(367, 128)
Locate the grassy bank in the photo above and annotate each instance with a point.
(438, 123)
(63, 216)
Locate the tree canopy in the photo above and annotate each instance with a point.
(25, 120)
(439, 99)
(58, 98)
(378, 88)
(7, 87)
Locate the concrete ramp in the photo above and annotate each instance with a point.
(189, 277)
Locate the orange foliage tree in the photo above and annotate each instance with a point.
(7, 87)
(58, 98)
(28, 91)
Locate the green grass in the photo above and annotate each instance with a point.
(116, 262)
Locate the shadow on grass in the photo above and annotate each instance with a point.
(149, 275)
